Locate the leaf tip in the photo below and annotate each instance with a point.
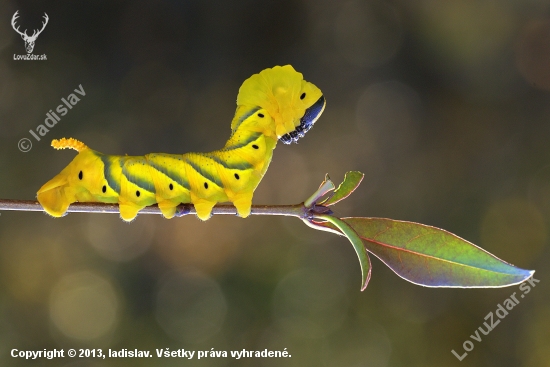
(367, 278)
(530, 273)
(523, 274)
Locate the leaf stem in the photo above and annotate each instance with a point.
(357, 243)
(326, 186)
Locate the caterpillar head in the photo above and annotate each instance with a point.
(76, 182)
(293, 103)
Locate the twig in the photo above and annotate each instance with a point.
(297, 210)
(301, 210)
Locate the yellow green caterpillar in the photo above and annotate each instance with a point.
(276, 104)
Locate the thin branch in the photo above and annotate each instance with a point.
(297, 210)
(301, 210)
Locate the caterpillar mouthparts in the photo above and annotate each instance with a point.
(306, 122)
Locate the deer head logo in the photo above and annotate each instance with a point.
(29, 40)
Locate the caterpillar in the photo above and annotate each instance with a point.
(275, 104)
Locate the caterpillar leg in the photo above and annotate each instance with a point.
(168, 208)
(55, 196)
(128, 211)
(204, 208)
(243, 203)
(54, 201)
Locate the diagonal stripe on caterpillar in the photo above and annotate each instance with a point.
(276, 104)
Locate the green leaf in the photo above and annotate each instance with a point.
(352, 179)
(357, 243)
(431, 256)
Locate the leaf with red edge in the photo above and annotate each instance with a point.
(352, 179)
(433, 257)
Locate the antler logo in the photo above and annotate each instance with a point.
(29, 40)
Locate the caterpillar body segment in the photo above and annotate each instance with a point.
(276, 104)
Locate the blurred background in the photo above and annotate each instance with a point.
(444, 105)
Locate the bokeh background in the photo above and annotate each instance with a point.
(444, 105)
